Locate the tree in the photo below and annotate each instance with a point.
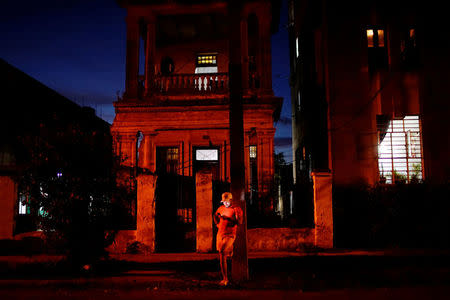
(70, 199)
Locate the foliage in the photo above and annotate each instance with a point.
(71, 210)
(68, 188)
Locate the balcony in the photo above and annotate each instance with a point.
(191, 84)
(184, 86)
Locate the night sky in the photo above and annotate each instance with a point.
(77, 47)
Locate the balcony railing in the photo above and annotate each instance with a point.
(192, 83)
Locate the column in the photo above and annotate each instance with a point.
(132, 60)
(150, 54)
(323, 209)
(204, 211)
(145, 223)
(265, 21)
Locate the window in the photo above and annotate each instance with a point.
(185, 215)
(377, 52)
(206, 63)
(298, 100)
(24, 208)
(409, 51)
(207, 154)
(375, 38)
(167, 66)
(167, 159)
(252, 151)
(291, 13)
(399, 149)
(207, 60)
(297, 50)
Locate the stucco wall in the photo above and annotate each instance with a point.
(8, 198)
(280, 239)
(259, 239)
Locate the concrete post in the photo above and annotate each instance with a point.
(323, 209)
(204, 211)
(8, 199)
(145, 229)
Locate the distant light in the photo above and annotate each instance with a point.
(380, 38)
(59, 174)
(370, 37)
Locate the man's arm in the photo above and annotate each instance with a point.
(216, 217)
(239, 215)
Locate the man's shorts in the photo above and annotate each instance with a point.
(224, 244)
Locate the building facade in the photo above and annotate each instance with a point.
(369, 90)
(41, 129)
(173, 117)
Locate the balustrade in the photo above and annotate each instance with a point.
(192, 83)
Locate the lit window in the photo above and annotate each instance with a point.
(252, 151)
(297, 50)
(207, 60)
(172, 154)
(377, 52)
(24, 208)
(380, 38)
(207, 154)
(375, 38)
(399, 150)
(206, 64)
(369, 37)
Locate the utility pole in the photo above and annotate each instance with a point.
(239, 265)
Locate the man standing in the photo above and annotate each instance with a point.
(226, 218)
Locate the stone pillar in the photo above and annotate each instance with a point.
(150, 55)
(8, 199)
(132, 59)
(323, 209)
(204, 207)
(145, 227)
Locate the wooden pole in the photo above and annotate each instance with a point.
(239, 266)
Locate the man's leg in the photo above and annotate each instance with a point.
(223, 267)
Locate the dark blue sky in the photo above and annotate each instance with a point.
(77, 47)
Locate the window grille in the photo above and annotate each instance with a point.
(400, 150)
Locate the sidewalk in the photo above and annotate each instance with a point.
(334, 269)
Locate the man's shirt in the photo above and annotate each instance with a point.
(227, 219)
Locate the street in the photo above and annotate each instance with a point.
(352, 275)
